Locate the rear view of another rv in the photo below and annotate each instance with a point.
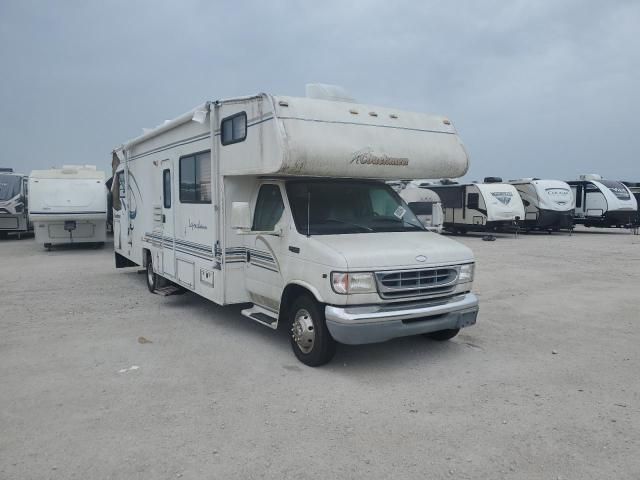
(68, 205)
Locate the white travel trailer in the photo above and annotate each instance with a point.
(548, 204)
(426, 205)
(634, 188)
(480, 207)
(14, 203)
(603, 203)
(68, 205)
(279, 202)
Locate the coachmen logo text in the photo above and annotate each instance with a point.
(504, 197)
(367, 157)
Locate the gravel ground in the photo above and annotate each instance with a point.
(545, 386)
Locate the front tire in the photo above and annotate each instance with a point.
(443, 335)
(310, 339)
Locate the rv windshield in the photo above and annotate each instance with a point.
(9, 186)
(338, 207)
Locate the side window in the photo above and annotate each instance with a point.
(421, 208)
(195, 178)
(590, 187)
(473, 200)
(166, 188)
(233, 129)
(269, 208)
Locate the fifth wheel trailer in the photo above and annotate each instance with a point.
(479, 207)
(14, 203)
(280, 202)
(603, 203)
(548, 204)
(68, 205)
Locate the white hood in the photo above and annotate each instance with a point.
(393, 250)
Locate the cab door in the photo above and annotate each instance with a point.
(168, 238)
(264, 278)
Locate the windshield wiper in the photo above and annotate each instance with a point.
(364, 227)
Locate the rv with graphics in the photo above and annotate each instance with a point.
(68, 205)
(479, 207)
(634, 188)
(426, 205)
(548, 204)
(14, 203)
(280, 202)
(603, 203)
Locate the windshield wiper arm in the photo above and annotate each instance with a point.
(368, 229)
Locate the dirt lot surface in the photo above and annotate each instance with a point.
(100, 379)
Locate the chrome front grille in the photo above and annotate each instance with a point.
(416, 283)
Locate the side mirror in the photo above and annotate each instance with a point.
(240, 216)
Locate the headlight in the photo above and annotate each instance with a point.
(347, 283)
(466, 273)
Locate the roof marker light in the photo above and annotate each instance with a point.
(393, 115)
(353, 111)
(282, 103)
(446, 121)
(373, 114)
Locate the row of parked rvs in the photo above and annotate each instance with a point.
(281, 203)
(62, 205)
(526, 204)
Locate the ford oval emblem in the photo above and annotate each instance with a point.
(421, 258)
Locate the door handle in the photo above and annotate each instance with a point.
(164, 218)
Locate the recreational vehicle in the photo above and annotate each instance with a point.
(481, 207)
(68, 205)
(14, 203)
(603, 203)
(548, 204)
(426, 205)
(634, 188)
(280, 202)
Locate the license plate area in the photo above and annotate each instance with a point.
(69, 225)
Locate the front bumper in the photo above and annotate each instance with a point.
(378, 323)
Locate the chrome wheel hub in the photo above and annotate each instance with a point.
(303, 331)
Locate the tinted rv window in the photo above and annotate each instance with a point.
(166, 188)
(421, 208)
(269, 208)
(473, 200)
(233, 129)
(195, 178)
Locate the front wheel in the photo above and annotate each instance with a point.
(310, 339)
(443, 335)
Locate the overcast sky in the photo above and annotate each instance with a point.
(547, 89)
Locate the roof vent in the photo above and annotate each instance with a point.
(590, 176)
(324, 91)
(492, 180)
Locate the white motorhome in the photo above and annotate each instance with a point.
(548, 204)
(279, 202)
(481, 207)
(426, 205)
(603, 203)
(68, 205)
(14, 203)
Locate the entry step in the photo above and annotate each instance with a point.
(169, 290)
(262, 315)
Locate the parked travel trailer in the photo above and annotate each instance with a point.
(280, 202)
(603, 203)
(426, 205)
(68, 205)
(14, 203)
(634, 188)
(548, 204)
(479, 207)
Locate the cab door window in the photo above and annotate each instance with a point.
(269, 208)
